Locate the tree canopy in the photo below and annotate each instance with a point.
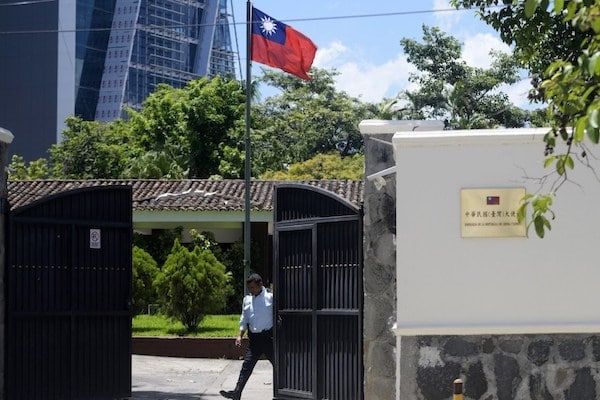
(464, 97)
(559, 42)
(199, 132)
(304, 119)
(322, 166)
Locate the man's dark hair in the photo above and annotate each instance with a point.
(254, 278)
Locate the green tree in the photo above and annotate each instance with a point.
(322, 166)
(305, 118)
(191, 132)
(187, 132)
(465, 97)
(538, 38)
(159, 243)
(233, 258)
(90, 149)
(215, 111)
(192, 284)
(559, 41)
(19, 169)
(145, 270)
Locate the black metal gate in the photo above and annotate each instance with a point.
(68, 291)
(318, 295)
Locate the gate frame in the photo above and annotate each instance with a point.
(120, 225)
(312, 223)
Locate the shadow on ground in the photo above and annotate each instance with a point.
(172, 396)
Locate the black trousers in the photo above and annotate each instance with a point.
(260, 343)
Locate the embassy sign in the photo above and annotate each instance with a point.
(491, 213)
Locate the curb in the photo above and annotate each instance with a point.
(188, 347)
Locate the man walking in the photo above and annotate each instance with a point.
(257, 320)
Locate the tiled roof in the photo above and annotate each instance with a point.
(181, 195)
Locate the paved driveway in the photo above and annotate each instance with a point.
(170, 378)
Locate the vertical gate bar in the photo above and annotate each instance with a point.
(314, 321)
(73, 301)
(349, 265)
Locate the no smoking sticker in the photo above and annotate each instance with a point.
(95, 239)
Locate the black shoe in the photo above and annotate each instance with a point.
(230, 394)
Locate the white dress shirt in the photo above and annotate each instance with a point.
(257, 312)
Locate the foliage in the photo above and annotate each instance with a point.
(322, 166)
(167, 163)
(225, 325)
(304, 119)
(178, 133)
(215, 112)
(465, 97)
(560, 43)
(199, 132)
(89, 150)
(19, 169)
(188, 130)
(537, 39)
(159, 244)
(145, 270)
(206, 241)
(191, 285)
(233, 258)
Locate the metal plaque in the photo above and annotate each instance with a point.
(491, 213)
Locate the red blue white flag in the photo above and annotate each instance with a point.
(492, 200)
(281, 46)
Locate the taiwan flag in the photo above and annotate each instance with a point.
(281, 46)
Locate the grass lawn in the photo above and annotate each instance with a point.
(211, 326)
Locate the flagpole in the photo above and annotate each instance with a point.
(247, 172)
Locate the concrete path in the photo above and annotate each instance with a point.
(170, 378)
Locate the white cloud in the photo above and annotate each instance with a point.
(328, 56)
(363, 79)
(517, 93)
(476, 49)
(446, 19)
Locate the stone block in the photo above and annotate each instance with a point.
(379, 280)
(380, 388)
(508, 376)
(572, 350)
(382, 359)
(584, 386)
(435, 383)
(476, 382)
(538, 389)
(488, 346)
(538, 351)
(378, 312)
(459, 347)
(513, 346)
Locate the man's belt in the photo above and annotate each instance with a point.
(264, 332)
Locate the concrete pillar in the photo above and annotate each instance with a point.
(379, 247)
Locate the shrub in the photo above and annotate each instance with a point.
(159, 243)
(191, 285)
(145, 270)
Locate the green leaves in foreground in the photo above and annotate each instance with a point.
(540, 205)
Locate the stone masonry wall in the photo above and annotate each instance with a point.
(379, 271)
(501, 367)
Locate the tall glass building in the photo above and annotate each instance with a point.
(93, 57)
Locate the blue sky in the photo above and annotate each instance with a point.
(366, 51)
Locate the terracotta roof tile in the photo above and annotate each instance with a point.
(181, 195)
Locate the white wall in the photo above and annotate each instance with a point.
(452, 285)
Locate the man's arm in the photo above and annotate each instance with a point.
(238, 340)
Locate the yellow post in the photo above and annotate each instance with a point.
(458, 390)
